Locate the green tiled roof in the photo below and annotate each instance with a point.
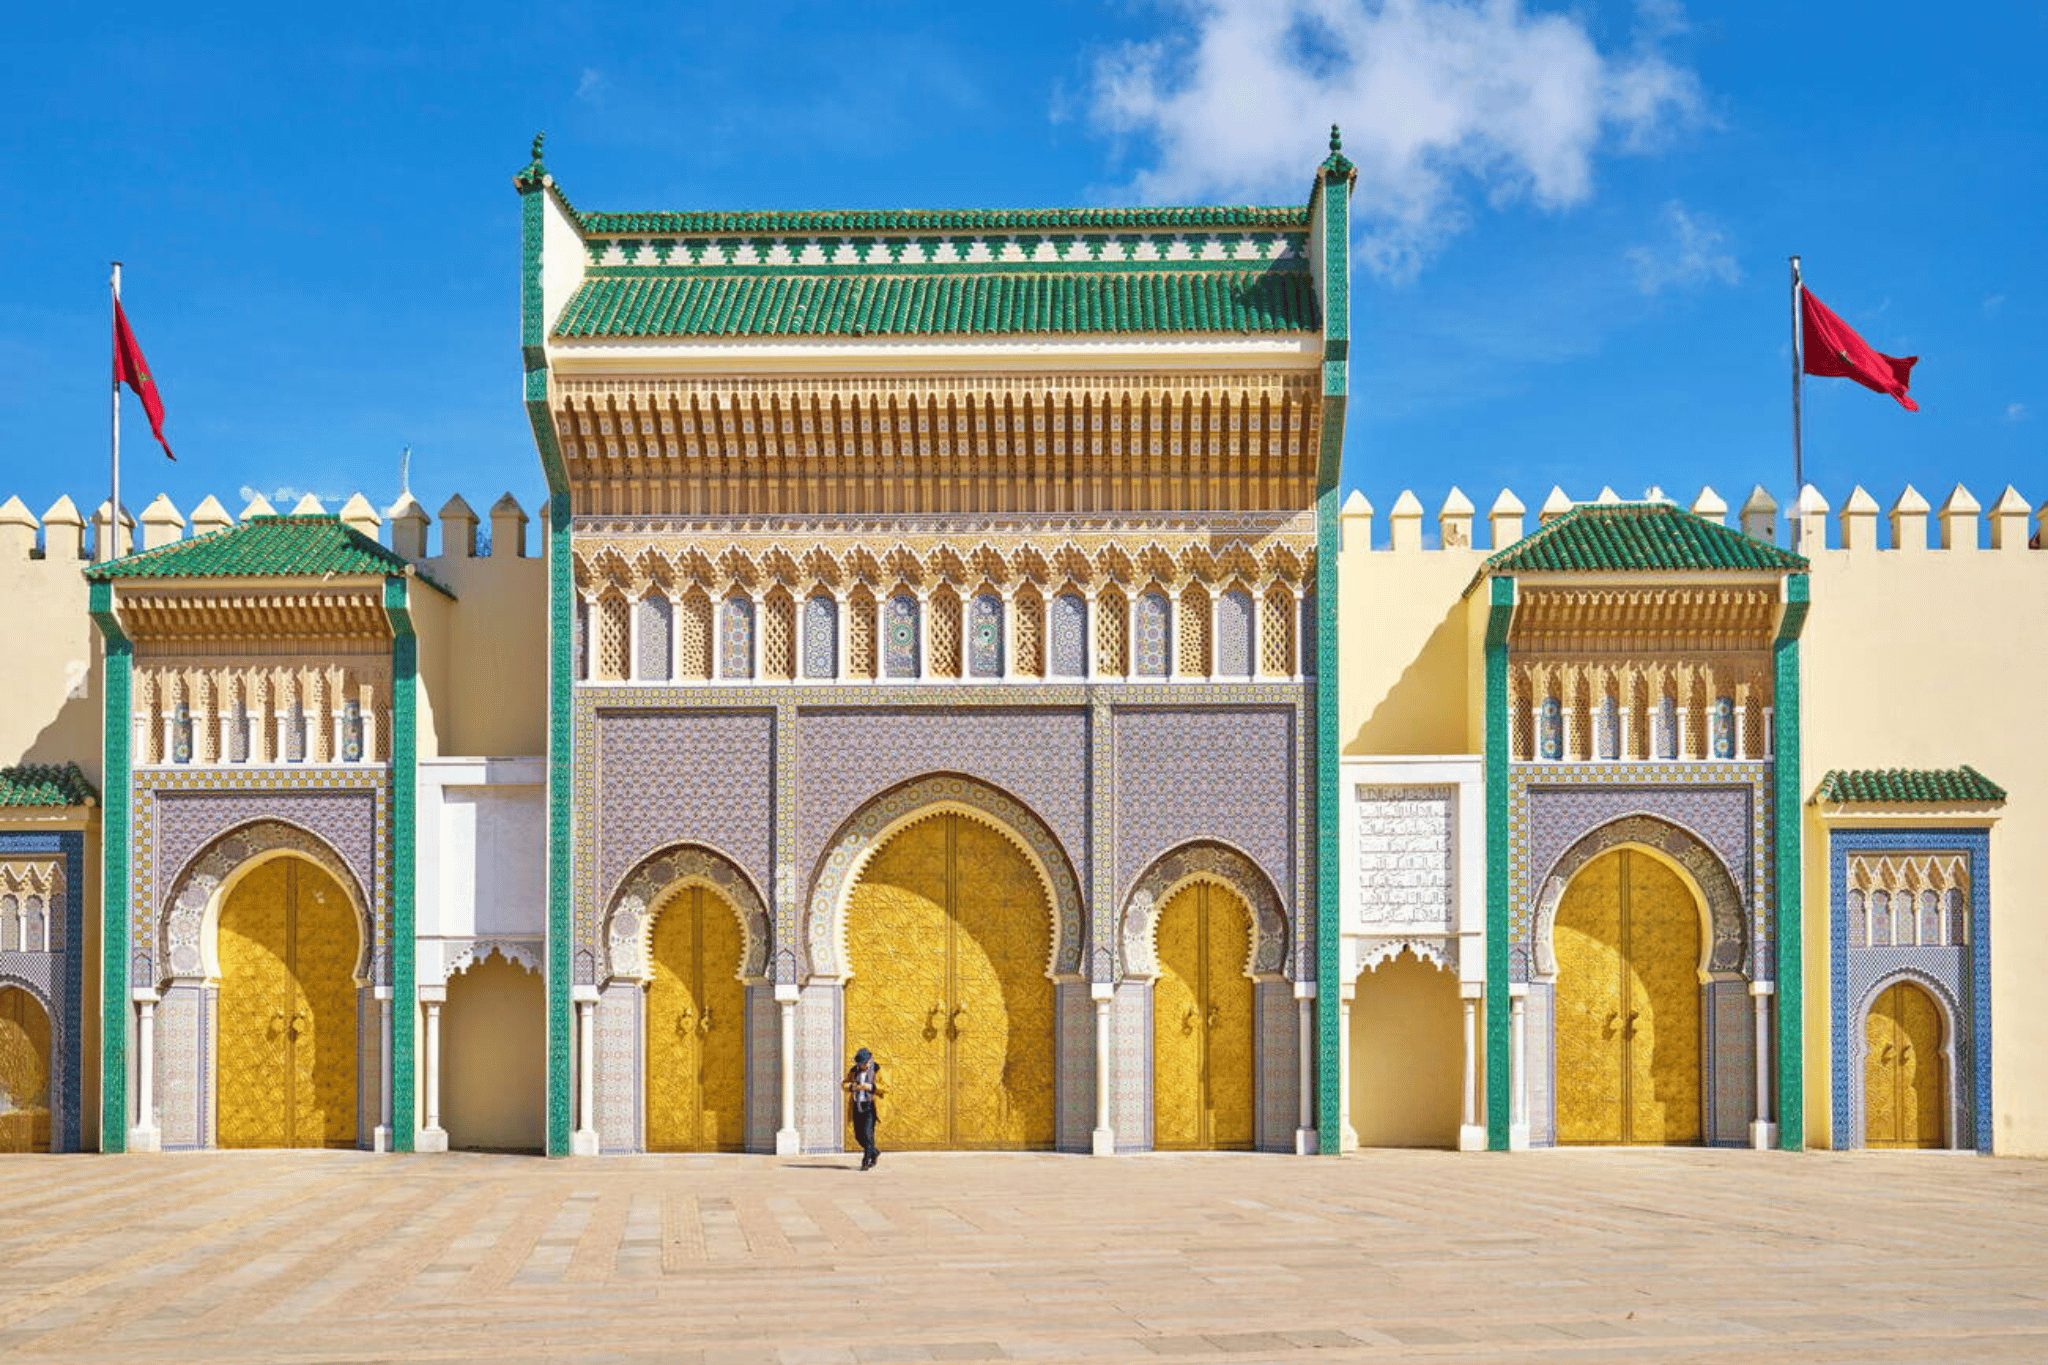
(1639, 536)
(702, 303)
(949, 220)
(1911, 786)
(264, 547)
(45, 784)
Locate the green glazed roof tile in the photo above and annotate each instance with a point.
(45, 784)
(711, 303)
(1639, 537)
(265, 547)
(949, 220)
(1911, 786)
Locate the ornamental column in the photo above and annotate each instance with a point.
(1472, 1129)
(788, 1142)
(1518, 1066)
(143, 1136)
(1102, 994)
(1347, 1139)
(584, 1141)
(1305, 1143)
(380, 1140)
(1763, 1132)
(432, 1137)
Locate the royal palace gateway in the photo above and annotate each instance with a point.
(944, 632)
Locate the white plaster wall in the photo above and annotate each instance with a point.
(482, 852)
(1439, 912)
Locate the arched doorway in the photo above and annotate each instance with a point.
(948, 935)
(494, 1047)
(696, 1027)
(1905, 1088)
(24, 1072)
(1202, 1004)
(288, 944)
(1407, 1055)
(1627, 944)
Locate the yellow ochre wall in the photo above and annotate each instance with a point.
(1919, 657)
(494, 1049)
(1407, 1055)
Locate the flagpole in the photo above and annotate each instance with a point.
(109, 550)
(1798, 386)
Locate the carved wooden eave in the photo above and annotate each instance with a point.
(1692, 618)
(937, 444)
(256, 614)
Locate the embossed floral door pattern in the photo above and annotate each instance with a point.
(1202, 1022)
(24, 1072)
(1904, 1090)
(1627, 942)
(948, 934)
(287, 1021)
(696, 1036)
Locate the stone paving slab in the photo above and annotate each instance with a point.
(1614, 1257)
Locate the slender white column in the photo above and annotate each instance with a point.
(1625, 738)
(143, 1135)
(1091, 625)
(1103, 995)
(1347, 1131)
(788, 1142)
(1763, 1131)
(432, 1137)
(924, 635)
(842, 636)
(1518, 1066)
(1303, 665)
(760, 629)
(584, 1142)
(1741, 732)
(1305, 1081)
(590, 629)
(1770, 738)
(1472, 1125)
(632, 639)
(380, 1140)
(1009, 669)
(1569, 712)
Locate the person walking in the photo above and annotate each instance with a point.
(863, 1088)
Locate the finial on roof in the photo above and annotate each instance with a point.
(1336, 141)
(539, 140)
(534, 173)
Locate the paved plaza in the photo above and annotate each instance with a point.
(1624, 1256)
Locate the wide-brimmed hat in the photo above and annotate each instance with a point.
(863, 1057)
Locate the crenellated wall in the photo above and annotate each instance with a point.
(1924, 647)
(481, 654)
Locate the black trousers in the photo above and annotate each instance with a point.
(864, 1132)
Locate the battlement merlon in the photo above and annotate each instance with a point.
(1811, 526)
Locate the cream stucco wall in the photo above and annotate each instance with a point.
(1407, 1055)
(494, 1051)
(1913, 657)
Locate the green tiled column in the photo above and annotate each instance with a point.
(405, 672)
(115, 812)
(1787, 846)
(1499, 1042)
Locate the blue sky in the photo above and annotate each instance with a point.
(1573, 220)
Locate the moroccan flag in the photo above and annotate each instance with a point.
(131, 369)
(1834, 351)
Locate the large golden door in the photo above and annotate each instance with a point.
(1627, 942)
(1202, 1022)
(696, 1028)
(24, 1072)
(949, 934)
(287, 1023)
(1904, 1091)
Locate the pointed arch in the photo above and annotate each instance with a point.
(633, 908)
(1725, 930)
(1204, 860)
(189, 918)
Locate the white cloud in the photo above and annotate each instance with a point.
(590, 84)
(2016, 412)
(1694, 252)
(1440, 99)
(1992, 303)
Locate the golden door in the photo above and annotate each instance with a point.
(1627, 942)
(949, 934)
(1202, 1022)
(24, 1072)
(1903, 1087)
(287, 1019)
(696, 1028)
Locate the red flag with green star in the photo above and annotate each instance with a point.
(131, 369)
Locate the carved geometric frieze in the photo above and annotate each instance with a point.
(1407, 858)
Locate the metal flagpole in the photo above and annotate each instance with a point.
(108, 550)
(1798, 386)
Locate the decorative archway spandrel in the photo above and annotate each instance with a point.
(839, 868)
(631, 911)
(182, 919)
(1726, 905)
(1137, 934)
